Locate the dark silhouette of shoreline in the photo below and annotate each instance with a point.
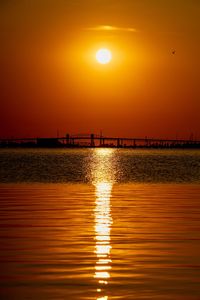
(93, 141)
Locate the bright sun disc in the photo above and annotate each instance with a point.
(103, 56)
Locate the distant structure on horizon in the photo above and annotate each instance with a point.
(94, 140)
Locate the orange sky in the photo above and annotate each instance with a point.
(50, 79)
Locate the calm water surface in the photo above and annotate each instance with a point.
(99, 224)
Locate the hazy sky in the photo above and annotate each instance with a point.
(50, 79)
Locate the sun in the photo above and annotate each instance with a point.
(103, 56)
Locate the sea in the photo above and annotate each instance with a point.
(101, 224)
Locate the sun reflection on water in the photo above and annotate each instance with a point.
(103, 222)
(103, 182)
(103, 298)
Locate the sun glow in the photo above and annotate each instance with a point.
(103, 56)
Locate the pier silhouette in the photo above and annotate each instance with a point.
(95, 140)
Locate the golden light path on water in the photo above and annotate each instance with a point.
(103, 182)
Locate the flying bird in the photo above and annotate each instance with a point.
(174, 52)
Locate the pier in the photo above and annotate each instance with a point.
(95, 140)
